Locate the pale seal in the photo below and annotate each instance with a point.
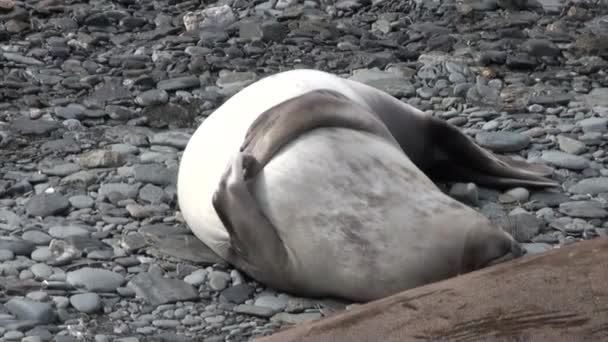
(338, 203)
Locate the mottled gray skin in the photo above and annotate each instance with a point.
(377, 224)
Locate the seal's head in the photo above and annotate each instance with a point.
(489, 246)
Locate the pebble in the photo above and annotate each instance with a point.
(86, 302)
(95, 279)
(590, 186)
(27, 309)
(565, 160)
(503, 141)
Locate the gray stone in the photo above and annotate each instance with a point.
(9, 220)
(37, 237)
(152, 97)
(47, 205)
(95, 279)
(467, 193)
(27, 309)
(237, 294)
(565, 160)
(583, 209)
(155, 174)
(179, 83)
(125, 190)
(594, 125)
(34, 127)
(17, 58)
(17, 246)
(175, 139)
(272, 302)
(597, 97)
(536, 248)
(63, 232)
(101, 158)
(81, 201)
(503, 141)
(254, 310)
(61, 170)
(157, 290)
(218, 280)
(571, 146)
(284, 317)
(590, 186)
(86, 302)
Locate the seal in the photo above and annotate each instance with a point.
(328, 205)
(415, 140)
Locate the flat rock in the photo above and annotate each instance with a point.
(157, 290)
(583, 209)
(27, 309)
(503, 141)
(47, 205)
(565, 160)
(34, 127)
(591, 186)
(95, 279)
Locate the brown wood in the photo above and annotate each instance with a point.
(559, 295)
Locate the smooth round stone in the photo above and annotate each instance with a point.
(32, 339)
(81, 201)
(518, 194)
(503, 141)
(37, 237)
(41, 254)
(38, 296)
(41, 271)
(465, 192)
(565, 160)
(26, 274)
(196, 278)
(218, 280)
(6, 255)
(272, 302)
(95, 279)
(61, 302)
(62, 232)
(86, 302)
(13, 335)
(165, 323)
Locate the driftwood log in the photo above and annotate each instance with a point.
(559, 295)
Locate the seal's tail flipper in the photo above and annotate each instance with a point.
(467, 161)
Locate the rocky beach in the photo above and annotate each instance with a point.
(99, 98)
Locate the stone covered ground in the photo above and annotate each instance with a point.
(98, 99)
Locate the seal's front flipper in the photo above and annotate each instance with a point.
(284, 122)
(461, 159)
(255, 244)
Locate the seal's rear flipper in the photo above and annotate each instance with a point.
(463, 160)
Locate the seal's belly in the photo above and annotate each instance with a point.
(352, 206)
